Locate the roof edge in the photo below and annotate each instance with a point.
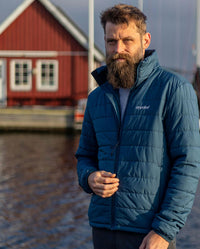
(60, 17)
(71, 28)
(14, 15)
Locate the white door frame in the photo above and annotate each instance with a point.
(3, 86)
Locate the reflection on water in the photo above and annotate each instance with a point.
(41, 205)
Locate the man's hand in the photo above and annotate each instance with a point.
(103, 183)
(154, 241)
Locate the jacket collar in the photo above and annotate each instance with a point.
(145, 68)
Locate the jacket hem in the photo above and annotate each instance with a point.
(121, 228)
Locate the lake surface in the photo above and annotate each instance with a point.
(41, 204)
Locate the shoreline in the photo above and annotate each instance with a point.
(38, 118)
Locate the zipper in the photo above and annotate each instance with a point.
(117, 148)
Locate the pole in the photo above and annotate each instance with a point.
(197, 74)
(140, 4)
(91, 46)
(198, 34)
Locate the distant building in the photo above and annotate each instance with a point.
(43, 57)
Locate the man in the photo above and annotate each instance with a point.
(139, 149)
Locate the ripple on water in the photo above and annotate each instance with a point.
(41, 205)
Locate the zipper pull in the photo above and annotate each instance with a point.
(114, 148)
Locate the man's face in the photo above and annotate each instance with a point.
(124, 50)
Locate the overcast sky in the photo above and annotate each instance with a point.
(172, 24)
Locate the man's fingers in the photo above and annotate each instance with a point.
(105, 193)
(107, 174)
(109, 186)
(106, 190)
(106, 180)
(103, 183)
(108, 177)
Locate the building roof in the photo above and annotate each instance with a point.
(61, 17)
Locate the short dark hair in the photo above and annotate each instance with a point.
(123, 13)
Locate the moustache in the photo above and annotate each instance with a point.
(118, 56)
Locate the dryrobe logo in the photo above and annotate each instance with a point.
(142, 107)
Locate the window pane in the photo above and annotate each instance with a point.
(22, 75)
(43, 66)
(47, 74)
(25, 80)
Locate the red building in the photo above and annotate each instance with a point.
(43, 57)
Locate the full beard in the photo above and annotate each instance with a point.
(122, 74)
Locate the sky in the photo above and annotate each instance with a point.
(172, 24)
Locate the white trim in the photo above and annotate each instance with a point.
(32, 54)
(35, 54)
(3, 79)
(70, 27)
(14, 15)
(39, 85)
(15, 87)
(98, 55)
(64, 21)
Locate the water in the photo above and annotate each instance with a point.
(41, 204)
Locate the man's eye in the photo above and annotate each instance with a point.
(111, 42)
(127, 40)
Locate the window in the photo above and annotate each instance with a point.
(21, 75)
(47, 75)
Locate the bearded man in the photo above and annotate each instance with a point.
(138, 155)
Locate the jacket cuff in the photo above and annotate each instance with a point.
(164, 236)
(85, 184)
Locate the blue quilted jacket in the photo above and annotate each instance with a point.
(154, 151)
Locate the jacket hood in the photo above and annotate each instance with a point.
(144, 69)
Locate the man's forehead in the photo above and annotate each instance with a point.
(123, 28)
(131, 23)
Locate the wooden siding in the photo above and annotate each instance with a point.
(37, 30)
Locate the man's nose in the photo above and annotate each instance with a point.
(119, 47)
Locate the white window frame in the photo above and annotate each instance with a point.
(21, 86)
(47, 87)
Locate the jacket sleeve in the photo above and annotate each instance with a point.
(87, 152)
(183, 139)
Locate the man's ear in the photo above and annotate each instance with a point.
(146, 40)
